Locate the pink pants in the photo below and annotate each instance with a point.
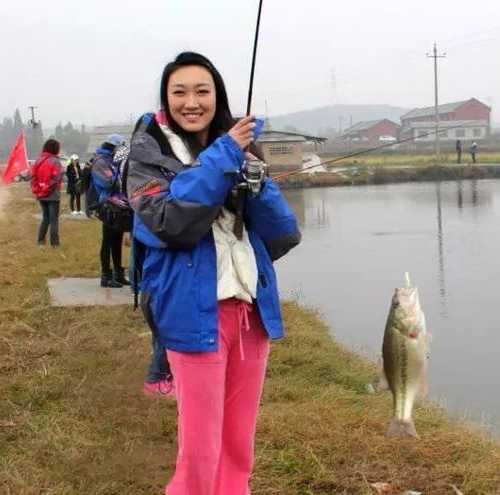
(218, 395)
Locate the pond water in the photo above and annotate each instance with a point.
(359, 241)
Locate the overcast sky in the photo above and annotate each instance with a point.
(98, 61)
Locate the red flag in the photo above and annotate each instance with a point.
(17, 161)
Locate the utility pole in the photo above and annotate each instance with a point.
(33, 122)
(267, 122)
(435, 56)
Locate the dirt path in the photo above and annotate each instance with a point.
(4, 197)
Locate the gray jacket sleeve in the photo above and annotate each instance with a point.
(180, 224)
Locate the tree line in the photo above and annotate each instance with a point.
(72, 139)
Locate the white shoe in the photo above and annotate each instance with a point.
(74, 213)
(79, 213)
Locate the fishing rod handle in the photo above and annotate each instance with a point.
(241, 192)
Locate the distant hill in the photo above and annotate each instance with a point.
(325, 120)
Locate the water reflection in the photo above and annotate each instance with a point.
(474, 192)
(322, 216)
(460, 195)
(440, 243)
(315, 214)
(477, 198)
(359, 241)
(297, 200)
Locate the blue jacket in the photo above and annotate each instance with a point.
(106, 175)
(175, 207)
(103, 173)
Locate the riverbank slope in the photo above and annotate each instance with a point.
(73, 419)
(369, 175)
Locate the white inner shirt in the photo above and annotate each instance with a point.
(236, 263)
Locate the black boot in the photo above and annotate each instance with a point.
(120, 277)
(107, 280)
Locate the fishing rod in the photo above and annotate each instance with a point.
(254, 59)
(251, 169)
(363, 152)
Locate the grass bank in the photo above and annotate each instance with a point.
(73, 420)
(366, 175)
(392, 159)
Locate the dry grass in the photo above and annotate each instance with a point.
(73, 420)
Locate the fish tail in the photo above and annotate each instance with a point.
(400, 428)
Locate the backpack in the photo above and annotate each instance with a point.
(89, 189)
(42, 182)
(92, 196)
(115, 216)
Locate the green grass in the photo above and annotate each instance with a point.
(415, 160)
(73, 419)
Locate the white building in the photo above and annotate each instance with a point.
(465, 130)
(99, 134)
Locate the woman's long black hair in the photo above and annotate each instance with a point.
(223, 119)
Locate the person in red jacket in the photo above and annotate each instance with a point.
(46, 186)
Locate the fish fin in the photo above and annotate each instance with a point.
(398, 428)
(423, 384)
(428, 341)
(423, 387)
(382, 384)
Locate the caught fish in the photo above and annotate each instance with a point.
(404, 355)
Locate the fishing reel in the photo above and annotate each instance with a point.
(253, 173)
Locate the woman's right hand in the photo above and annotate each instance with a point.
(242, 131)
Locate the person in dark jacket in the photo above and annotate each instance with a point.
(459, 148)
(473, 151)
(106, 176)
(46, 185)
(210, 296)
(85, 178)
(74, 186)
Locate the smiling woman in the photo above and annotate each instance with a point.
(210, 297)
